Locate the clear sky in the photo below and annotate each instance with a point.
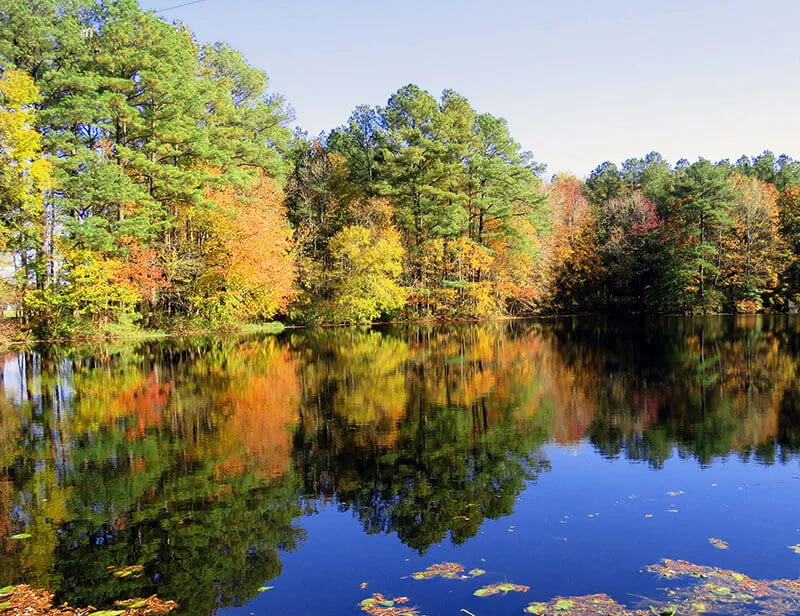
(580, 81)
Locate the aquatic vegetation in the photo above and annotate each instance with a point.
(586, 605)
(727, 591)
(378, 605)
(21, 536)
(124, 572)
(450, 571)
(718, 543)
(496, 589)
(23, 599)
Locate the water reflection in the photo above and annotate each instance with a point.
(198, 458)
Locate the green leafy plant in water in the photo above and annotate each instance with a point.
(124, 572)
(496, 589)
(449, 571)
(378, 605)
(585, 605)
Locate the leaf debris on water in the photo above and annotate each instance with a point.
(718, 543)
(378, 605)
(504, 588)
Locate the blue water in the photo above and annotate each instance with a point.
(566, 456)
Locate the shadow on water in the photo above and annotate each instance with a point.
(198, 458)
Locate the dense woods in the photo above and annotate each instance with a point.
(150, 179)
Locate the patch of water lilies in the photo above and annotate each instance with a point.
(586, 605)
(378, 605)
(729, 592)
(502, 588)
(449, 571)
(711, 590)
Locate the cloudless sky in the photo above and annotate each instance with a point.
(580, 81)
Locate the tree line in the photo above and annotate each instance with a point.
(148, 178)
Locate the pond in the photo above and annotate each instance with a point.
(547, 466)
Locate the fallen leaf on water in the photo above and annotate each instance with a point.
(795, 548)
(718, 543)
(364, 584)
(124, 572)
(265, 588)
(451, 571)
(496, 589)
(378, 605)
(476, 572)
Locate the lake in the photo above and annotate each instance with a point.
(548, 465)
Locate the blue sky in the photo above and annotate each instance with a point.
(580, 81)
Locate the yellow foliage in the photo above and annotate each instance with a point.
(25, 175)
(248, 252)
(366, 265)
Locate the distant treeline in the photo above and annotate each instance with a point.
(148, 178)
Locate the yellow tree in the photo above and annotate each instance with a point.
(25, 177)
(363, 277)
(249, 269)
(752, 248)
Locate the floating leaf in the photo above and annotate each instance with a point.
(133, 604)
(265, 588)
(124, 572)
(718, 543)
(795, 548)
(476, 572)
(496, 589)
(536, 608)
(378, 605)
(21, 536)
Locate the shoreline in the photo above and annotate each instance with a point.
(277, 327)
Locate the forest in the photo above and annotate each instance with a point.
(150, 180)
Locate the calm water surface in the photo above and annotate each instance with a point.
(565, 455)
